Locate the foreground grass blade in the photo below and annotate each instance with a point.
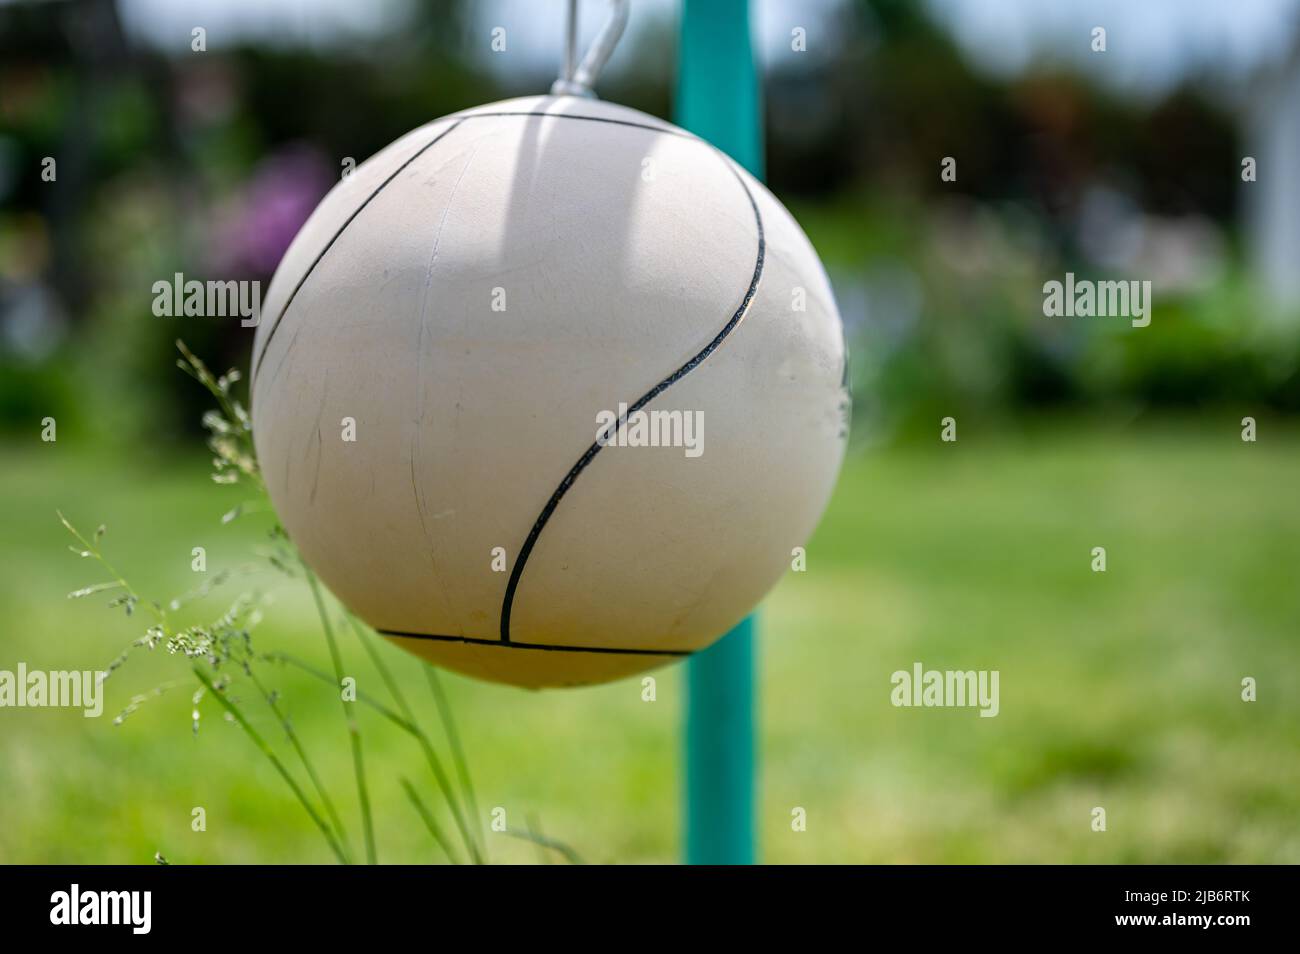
(294, 740)
(567, 852)
(354, 731)
(429, 820)
(266, 750)
(435, 764)
(406, 725)
(457, 752)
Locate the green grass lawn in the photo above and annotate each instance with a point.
(1118, 689)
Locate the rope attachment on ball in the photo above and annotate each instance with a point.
(580, 80)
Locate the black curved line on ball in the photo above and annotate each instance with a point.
(549, 647)
(257, 364)
(645, 399)
(665, 129)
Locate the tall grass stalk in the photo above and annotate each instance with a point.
(457, 752)
(354, 731)
(212, 643)
(430, 822)
(303, 757)
(274, 760)
(225, 644)
(476, 851)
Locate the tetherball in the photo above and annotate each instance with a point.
(549, 391)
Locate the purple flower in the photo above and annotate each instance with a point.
(271, 208)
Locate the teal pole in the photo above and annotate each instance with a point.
(718, 99)
(720, 751)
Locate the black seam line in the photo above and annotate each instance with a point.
(587, 457)
(667, 130)
(609, 650)
(357, 211)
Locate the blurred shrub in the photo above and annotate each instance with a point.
(944, 316)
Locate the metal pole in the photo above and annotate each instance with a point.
(718, 99)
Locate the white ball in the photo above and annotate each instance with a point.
(473, 298)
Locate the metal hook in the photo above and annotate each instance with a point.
(580, 80)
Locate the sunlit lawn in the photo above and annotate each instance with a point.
(1119, 690)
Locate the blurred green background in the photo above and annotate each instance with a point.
(1119, 690)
